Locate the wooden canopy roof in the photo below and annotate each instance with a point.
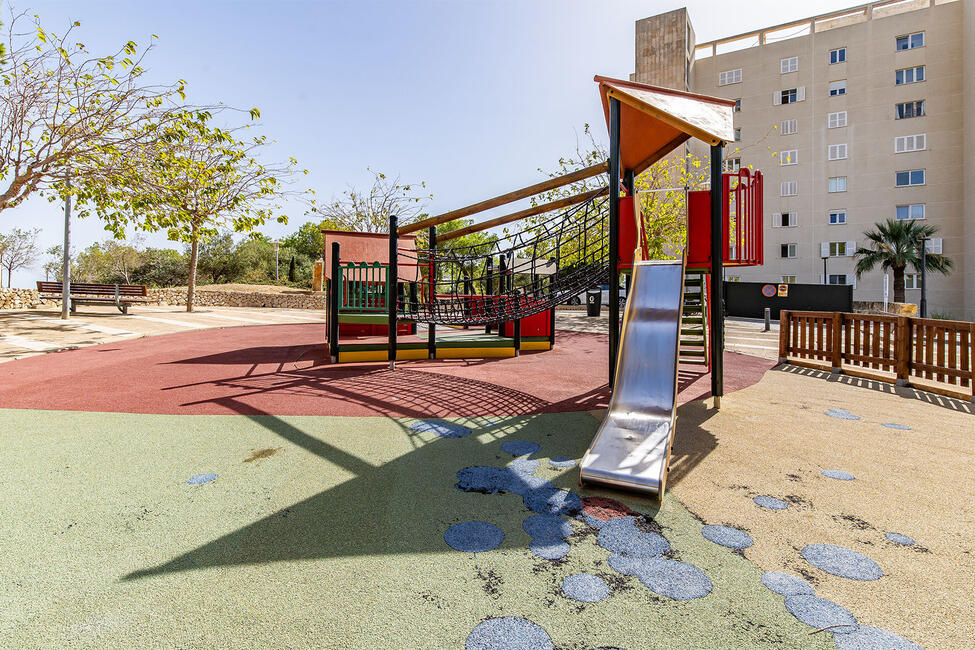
(654, 120)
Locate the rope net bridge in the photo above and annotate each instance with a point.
(511, 276)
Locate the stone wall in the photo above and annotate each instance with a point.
(30, 299)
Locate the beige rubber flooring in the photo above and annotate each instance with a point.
(774, 439)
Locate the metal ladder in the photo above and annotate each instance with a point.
(694, 348)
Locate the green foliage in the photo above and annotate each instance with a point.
(161, 267)
(895, 245)
(18, 250)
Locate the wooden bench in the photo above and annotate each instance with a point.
(120, 295)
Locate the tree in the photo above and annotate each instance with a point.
(191, 183)
(896, 244)
(64, 110)
(110, 262)
(54, 266)
(161, 267)
(19, 250)
(218, 259)
(291, 269)
(369, 210)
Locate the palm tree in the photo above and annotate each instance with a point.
(895, 245)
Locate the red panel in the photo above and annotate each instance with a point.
(742, 223)
(367, 329)
(699, 228)
(534, 325)
(628, 232)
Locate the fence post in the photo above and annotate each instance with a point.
(902, 350)
(971, 360)
(785, 324)
(837, 343)
(333, 305)
(392, 293)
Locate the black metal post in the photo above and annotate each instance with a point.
(488, 289)
(614, 236)
(825, 277)
(414, 308)
(335, 288)
(717, 275)
(431, 328)
(551, 311)
(502, 284)
(924, 284)
(392, 295)
(517, 336)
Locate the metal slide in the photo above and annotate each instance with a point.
(632, 447)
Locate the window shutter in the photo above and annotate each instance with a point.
(776, 219)
(824, 249)
(854, 277)
(899, 144)
(801, 94)
(776, 98)
(851, 246)
(822, 279)
(921, 141)
(934, 245)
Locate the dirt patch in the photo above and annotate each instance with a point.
(258, 454)
(854, 522)
(605, 509)
(491, 582)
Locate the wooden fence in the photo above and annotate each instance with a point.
(934, 355)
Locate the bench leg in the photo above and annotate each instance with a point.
(125, 309)
(72, 307)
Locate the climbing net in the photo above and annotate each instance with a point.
(510, 276)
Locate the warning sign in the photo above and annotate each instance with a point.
(768, 290)
(783, 291)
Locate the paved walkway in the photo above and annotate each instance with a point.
(28, 333)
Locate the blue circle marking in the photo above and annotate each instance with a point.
(842, 414)
(839, 475)
(508, 633)
(842, 562)
(727, 536)
(873, 638)
(473, 536)
(894, 425)
(787, 585)
(200, 479)
(897, 538)
(561, 461)
(770, 502)
(520, 447)
(585, 588)
(819, 613)
(441, 428)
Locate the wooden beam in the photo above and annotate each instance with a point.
(521, 214)
(524, 193)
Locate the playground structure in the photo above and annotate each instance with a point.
(510, 284)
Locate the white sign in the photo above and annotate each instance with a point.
(524, 265)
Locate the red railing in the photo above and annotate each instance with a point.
(743, 209)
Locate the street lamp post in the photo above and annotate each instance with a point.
(924, 284)
(277, 245)
(825, 277)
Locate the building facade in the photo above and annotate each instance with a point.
(854, 117)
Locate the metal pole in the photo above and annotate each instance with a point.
(66, 260)
(768, 319)
(392, 275)
(924, 284)
(825, 277)
(335, 288)
(614, 237)
(431, 328)
(717, 275)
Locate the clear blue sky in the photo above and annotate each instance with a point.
(471, 97)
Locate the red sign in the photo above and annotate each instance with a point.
(769, 290)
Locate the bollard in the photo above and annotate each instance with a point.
(768, 319)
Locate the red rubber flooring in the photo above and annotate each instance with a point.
(279, 370)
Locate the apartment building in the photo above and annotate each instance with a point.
(854, 117)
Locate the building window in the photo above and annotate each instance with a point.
(836, 120)
(788, 250)
(837, 184)
(790, 157)
(837, 56)
(909, 75)
(912, 280)
(789, 65)
(784, 220)
(788, 279)
(738, 105)
(789, 188)
(839, 248)
(840, 278)
(837, 88)
(910, 41)
(732, 278)
(905, 143)
(729, 77)
(738, 134)
(788, 127)
(909, 109)
(731, 164)
(909, 178)
(837, 217)
(836, 151)
(790, 96)
(908, 212)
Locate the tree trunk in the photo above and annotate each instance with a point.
(191, 282)
(898, 284)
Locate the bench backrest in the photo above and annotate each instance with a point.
(92, 289)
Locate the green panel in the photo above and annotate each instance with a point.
(409, 345)
(483, 341)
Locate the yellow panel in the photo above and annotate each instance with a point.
(535, 345)
(354, 356)
(471, 353)
(406, 355)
